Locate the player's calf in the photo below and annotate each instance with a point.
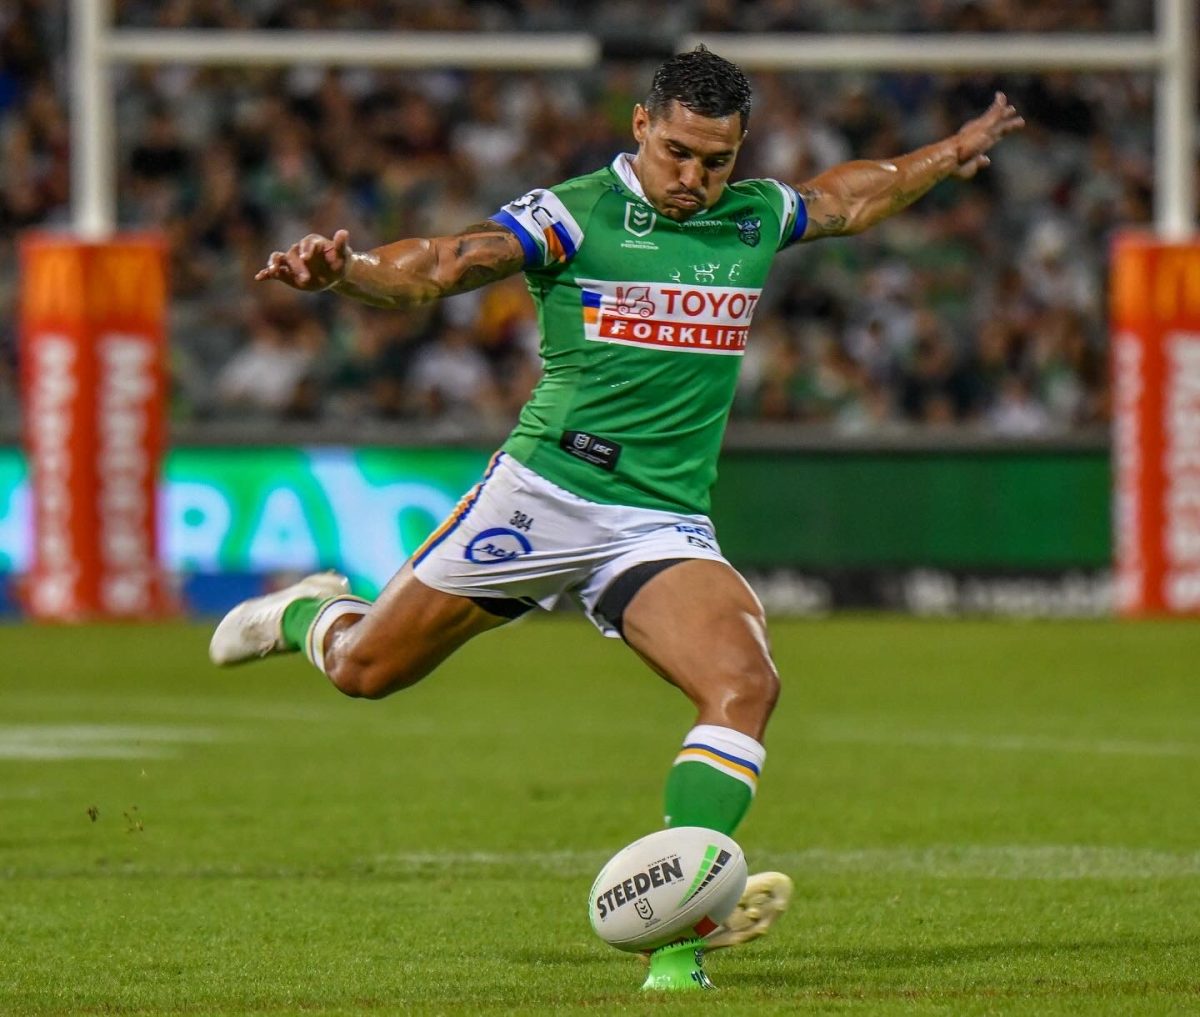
(362, 675)
(359, 667)
(409, 631)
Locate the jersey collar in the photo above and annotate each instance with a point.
(622, 166)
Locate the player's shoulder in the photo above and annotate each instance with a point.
(777, 199)
(574, 191)
(773, 192)
(552, 222)
(587, 186)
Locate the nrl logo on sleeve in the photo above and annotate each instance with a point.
(639, 220)
(749, 231)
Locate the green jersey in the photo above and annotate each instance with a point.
(644, 322)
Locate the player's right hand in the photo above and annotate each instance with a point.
(976, 136)
(314, 263)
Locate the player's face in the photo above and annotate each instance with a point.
(684, 159)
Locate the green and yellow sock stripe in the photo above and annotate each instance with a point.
(745, 770)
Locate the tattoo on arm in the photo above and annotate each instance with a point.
(416, 270)
(827, 223)
(486, 252)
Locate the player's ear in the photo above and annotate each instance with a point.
(641, 123)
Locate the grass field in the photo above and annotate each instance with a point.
(981, 818)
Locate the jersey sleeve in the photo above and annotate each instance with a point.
(550, 234)
(789, 206)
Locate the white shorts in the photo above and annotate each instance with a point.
(516, 535)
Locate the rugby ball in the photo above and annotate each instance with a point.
(674, 884)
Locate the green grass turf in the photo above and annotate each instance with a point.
(981, 818)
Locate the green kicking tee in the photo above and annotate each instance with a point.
(643, 322)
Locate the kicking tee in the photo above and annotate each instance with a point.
(643, 323)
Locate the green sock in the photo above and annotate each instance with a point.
(297, 617)
(713, 780)
(698, 795)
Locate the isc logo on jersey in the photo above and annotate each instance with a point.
(671, 316)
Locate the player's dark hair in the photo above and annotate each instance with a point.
(703, 82)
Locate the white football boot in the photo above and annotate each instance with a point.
(765, 898)
(254, 628)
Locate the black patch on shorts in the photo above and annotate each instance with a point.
(591, 448)
(613, 601)
(504, 607)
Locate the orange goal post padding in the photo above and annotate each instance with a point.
(93, 352)
(1156, 435)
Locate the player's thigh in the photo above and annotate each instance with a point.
(408, 631)
(701, 626)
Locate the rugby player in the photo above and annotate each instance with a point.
(645, 274)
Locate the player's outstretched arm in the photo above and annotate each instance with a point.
(403, 273)
(856, 195)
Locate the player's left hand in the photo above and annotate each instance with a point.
(976, 136)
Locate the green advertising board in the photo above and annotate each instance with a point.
(15, 530)
(365, 510)
(995, 510)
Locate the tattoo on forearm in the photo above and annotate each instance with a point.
(479, 275)
(486, 249)
(826, 223)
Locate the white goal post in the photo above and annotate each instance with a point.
(96, 47)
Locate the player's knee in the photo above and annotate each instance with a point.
(757, 686)
(753, 688)
(366, 678)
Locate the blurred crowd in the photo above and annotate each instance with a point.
(982, 307)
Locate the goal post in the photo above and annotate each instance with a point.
(1169, 52)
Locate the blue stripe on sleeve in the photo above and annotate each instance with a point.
(564, 236)
(801, 223)
(533, 253)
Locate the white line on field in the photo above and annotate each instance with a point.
(174, 706)
(562, 860)
(1013, 861)
(96, 741)
(1036, 861)
(1040, 862)
(1003, 743)
(51, 753)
